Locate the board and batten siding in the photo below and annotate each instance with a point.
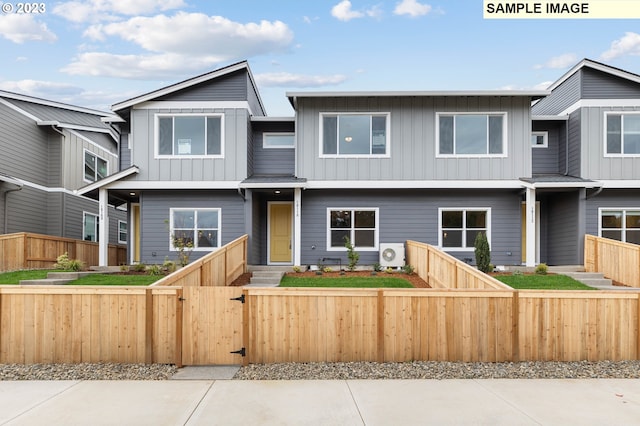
(155, 209)
(73, 159)
(411, 215)
(412, 136)
(233, 167)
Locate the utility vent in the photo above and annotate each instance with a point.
(392, 255)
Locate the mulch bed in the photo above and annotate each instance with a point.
(414, 279)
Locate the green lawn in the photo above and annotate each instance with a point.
(16, 276)
(350, 282)
(542, 282)
(94, 279)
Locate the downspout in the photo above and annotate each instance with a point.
(566, 143)
(6, 206)
(63, 226)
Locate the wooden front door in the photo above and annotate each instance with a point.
(280, 219)
(212, 326)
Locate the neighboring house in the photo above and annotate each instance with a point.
(47, 151)
(201, 161)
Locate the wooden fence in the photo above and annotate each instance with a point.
(218, 268)
(34, 251)
(441, 270)
(618, 261)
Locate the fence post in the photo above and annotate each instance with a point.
(25, 252)
(246, 315)
(515, 324)
(148, 326)
(178, 347)
(381, 337)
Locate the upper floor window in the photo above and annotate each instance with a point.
(622, 132)
(95, 168)
(471, 135)
(460, 227)
(90, 223)
(354, 135)
(359, 225)
(189, 135)
(539, 139)
(620, 224)
(197, 229)
(278, 140)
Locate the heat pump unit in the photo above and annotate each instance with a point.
(392, 255)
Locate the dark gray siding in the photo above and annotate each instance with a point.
(27, 211)
(254, 99)
(575, 144)
(231, 87)
(546, 160)
(272, 161)
(54, 163)
(68, 116)
(125, 152)
(411, 215)
(73, 210)
(155, 213)
(562, 97)
(627, 198)
(600, 85)
(561, 234)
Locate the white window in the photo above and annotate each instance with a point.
(95, 168)
(278, 140)
(360, 225)
(90, 224)
(622, 133)
(620, 224)
(458, 228)
(354, 135)
(471, 135)
(189, 135)
(195, 228)
(122, 232)
(540, 139)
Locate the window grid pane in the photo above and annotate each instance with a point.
(190, 135)
(460, 227)
(195, 227)
(358, 225)
(354, 134)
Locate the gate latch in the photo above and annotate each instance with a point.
(241, 352)
(239, 299)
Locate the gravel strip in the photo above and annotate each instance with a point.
(87, 371)
(338, 371)
(441, 370)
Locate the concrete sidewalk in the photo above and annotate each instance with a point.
(332, 402)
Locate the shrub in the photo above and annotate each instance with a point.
(63, 262)
(154, 270)
(542, 269)
(139, 267)
(352, 255)
(124, 268)
(408, 269)
(482, 252)
(169, 265)
(389, 270)
(184, 246)
(297, 269)
(377, 267)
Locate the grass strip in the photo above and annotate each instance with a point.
(115, 279)
(349, 282)
(542, 282)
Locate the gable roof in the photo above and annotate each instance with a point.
(588, 63)
(244, 65)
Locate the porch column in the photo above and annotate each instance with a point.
(297, 225)
(103, 227)
(530, 227)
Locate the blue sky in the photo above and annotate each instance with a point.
(95, 53)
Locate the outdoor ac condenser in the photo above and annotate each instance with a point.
(392, 255)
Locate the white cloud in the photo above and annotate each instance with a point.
(629, 44)
(559, 62)
(343, 11)
(412, 8)
(22, 27)
(297, 80)
(108, 10)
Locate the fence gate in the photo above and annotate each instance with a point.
(212, 325)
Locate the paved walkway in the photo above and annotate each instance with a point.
(331, 402)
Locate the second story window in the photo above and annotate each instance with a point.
(354, 135)
(95, 168)
(622, 132)
(471, 135)
(189, 135)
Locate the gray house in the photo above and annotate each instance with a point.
(47, 151)
(201, 161)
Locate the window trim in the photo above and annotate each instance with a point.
(387, 116)
(266, 134)
(545, 137)
(219, 227)
(121, 241)
(505, 135)
(84, 165)
(464, 228)
(605, 141)
(624, 222)
(97, 226)
(156, 137)
(376, 235)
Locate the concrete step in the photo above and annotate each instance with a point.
(266, 278)
(584, 275)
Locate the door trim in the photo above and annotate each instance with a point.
(269, 204)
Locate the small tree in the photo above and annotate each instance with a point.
(352, 255)
(482, 252)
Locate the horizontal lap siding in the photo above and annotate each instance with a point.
(609, 198)
(155, 212)
(562, 220)
(410, 215)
